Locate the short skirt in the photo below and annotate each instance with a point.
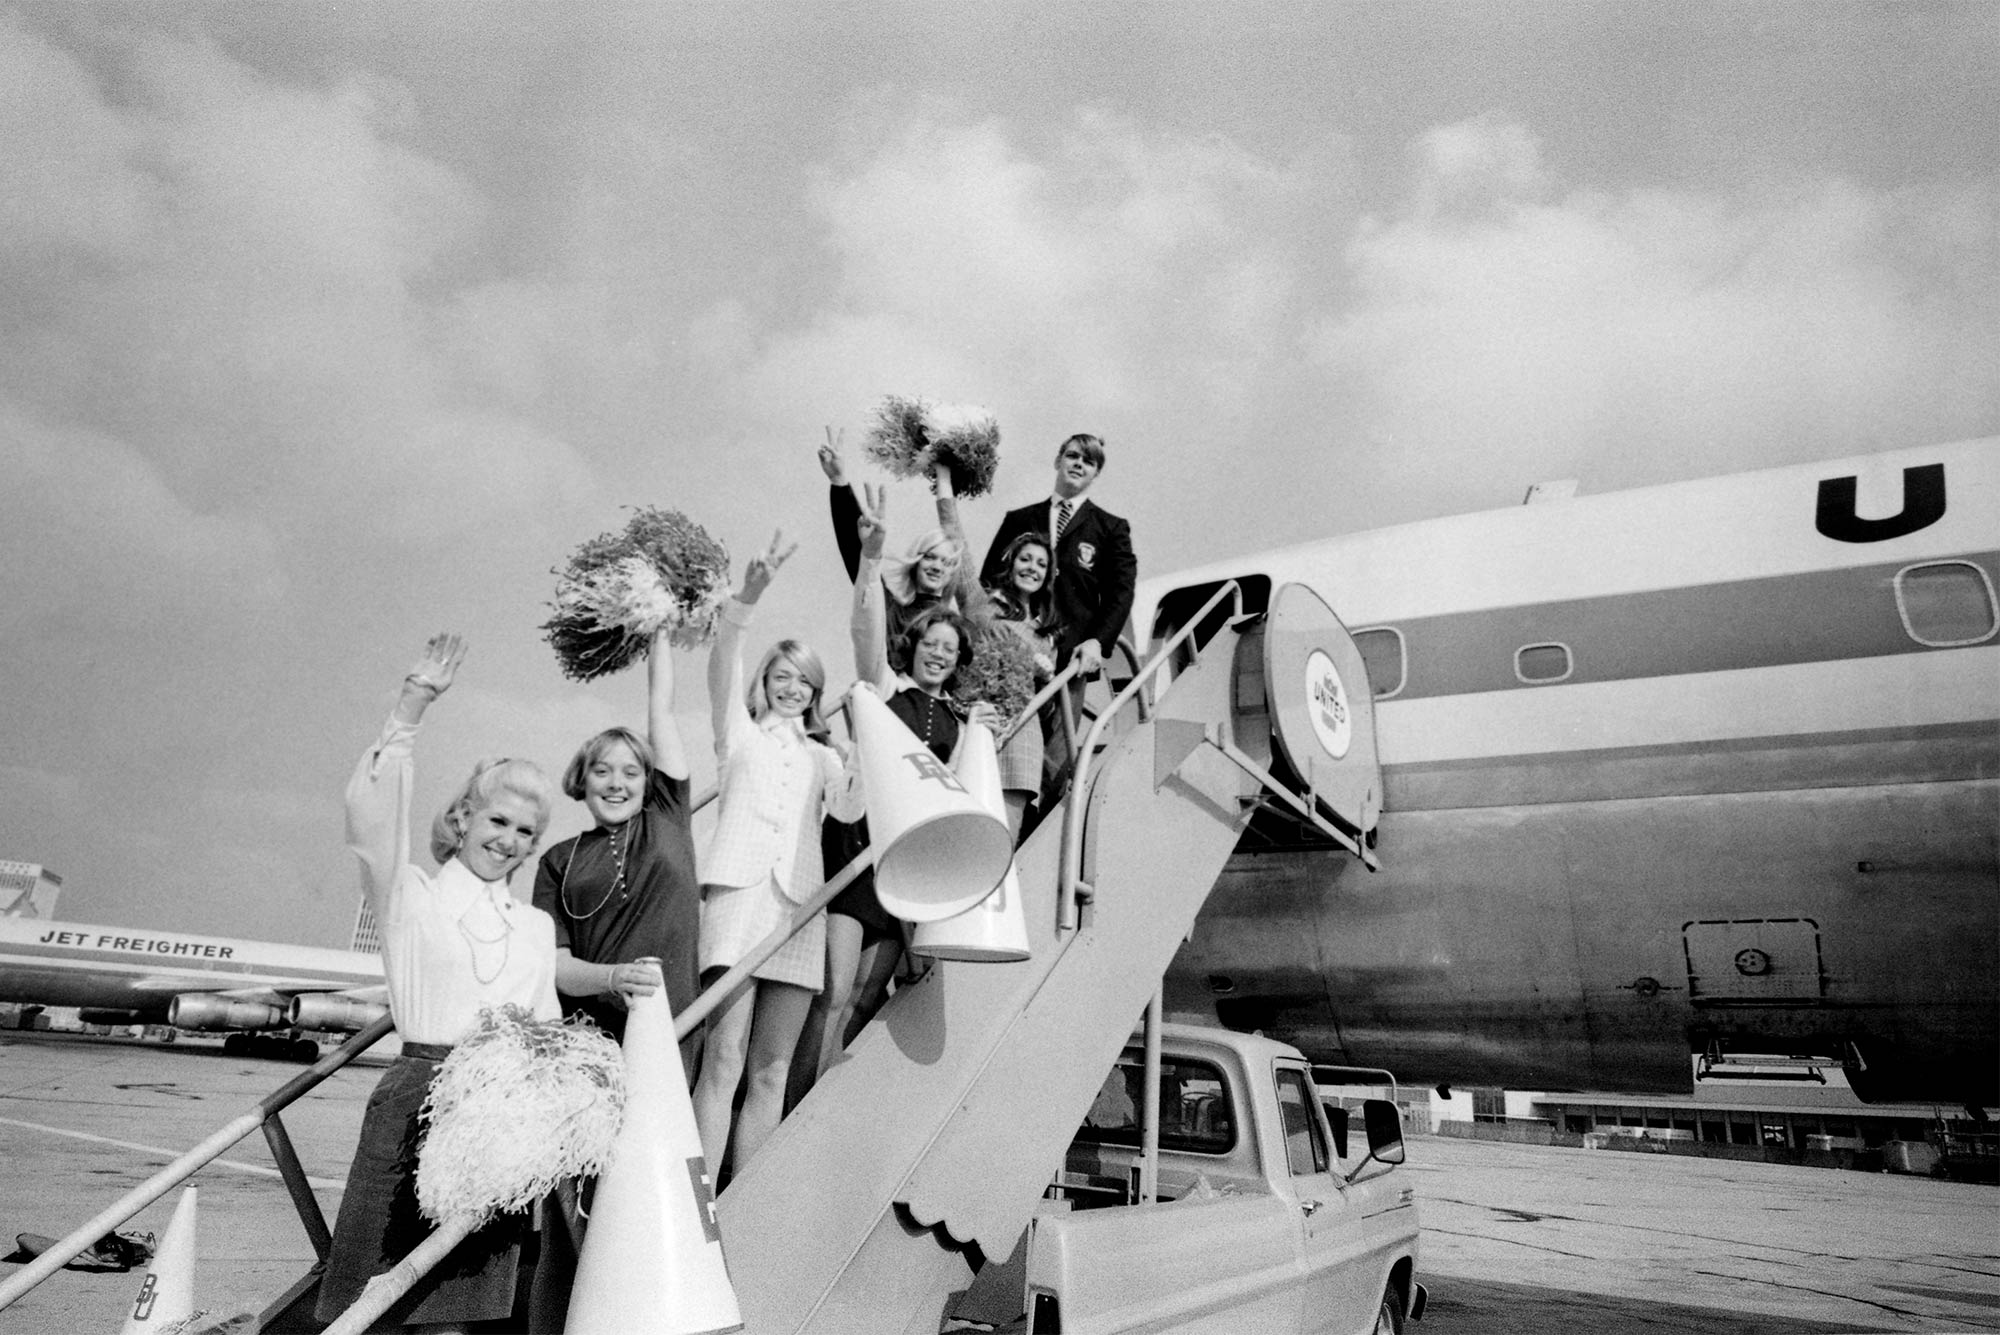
(1021, 759)
(840, 843)
(379, 1222)
(735, 918)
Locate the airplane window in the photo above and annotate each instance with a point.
(1383, 654)
(1946, 603)
(1540, 663)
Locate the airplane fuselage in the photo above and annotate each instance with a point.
(1701, 767)
(140, 970)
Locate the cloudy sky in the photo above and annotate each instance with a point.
(323, 326)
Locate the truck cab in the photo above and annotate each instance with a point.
(1267, 1216)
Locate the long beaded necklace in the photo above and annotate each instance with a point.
(619, 843)
(473, 941)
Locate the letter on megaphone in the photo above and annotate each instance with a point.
(166, 1295)
(939, 850)
(993, 930)
(652, 1258)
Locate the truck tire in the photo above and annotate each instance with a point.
(1389, 1320)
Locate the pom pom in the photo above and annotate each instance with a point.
(620, 588)
(896, 440)
(968, 439)
(517, 1107)
(909, 435)
(1002, 672)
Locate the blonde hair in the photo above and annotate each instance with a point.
(899, 572)
(490, 778)
(806, 659)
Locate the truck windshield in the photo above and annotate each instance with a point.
(1195, 1112)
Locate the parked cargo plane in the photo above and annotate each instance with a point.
(1701, 770)
(130, 975)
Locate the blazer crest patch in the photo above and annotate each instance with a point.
(1086, 554)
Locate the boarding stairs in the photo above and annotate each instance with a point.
(921, 1155)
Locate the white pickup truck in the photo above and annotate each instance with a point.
(1270, 1216)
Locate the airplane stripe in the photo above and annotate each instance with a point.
(1951, 753)
(127, 962)
(1697, 709)
(1818, 616)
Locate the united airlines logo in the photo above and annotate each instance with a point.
(1923, 505)
(1327, 705)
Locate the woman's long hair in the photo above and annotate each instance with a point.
(1038, 609)
(489, 778)
(803, 657)
(899, 572)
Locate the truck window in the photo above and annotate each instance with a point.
(1305, 1138)
(1196, 1114)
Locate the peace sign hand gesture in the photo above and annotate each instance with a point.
(830, 460)
(873, 521)
(757, 575)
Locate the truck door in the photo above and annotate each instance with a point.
(1340, 1289)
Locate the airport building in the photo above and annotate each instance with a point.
(28, 890)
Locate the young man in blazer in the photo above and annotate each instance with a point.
(1095, 574)
(1095, 569)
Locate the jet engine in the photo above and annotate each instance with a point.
(332, 1014)
(201, 1010)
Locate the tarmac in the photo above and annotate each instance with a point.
(1517, 1239)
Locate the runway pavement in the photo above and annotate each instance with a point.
(1518, 1240)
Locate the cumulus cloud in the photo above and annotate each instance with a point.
(93, 526)
(1504, 326)
(1113, 272)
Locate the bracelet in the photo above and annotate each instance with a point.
(423, 684)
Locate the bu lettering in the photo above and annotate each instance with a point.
(929, 767)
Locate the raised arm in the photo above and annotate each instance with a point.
(845, 504)
(869, 625)
(378, 793)
(965, 587)
(663, 730)
(725, 659)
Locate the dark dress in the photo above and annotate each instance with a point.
(658, 913)
(936, 724)
(380, 1223)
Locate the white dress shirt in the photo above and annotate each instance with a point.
(452, 944)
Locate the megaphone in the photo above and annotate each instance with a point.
(993, 931)
(939, 850)
(652, 1256)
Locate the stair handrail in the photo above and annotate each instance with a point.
(723, 988)
(79, 1239)
(1079, 784)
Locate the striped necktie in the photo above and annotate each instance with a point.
(1063, 509)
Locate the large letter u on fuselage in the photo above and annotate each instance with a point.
(1923, 505)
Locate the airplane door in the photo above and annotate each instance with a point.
(1322, 711)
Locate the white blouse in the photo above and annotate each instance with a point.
(775, 783)
(452, 944)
